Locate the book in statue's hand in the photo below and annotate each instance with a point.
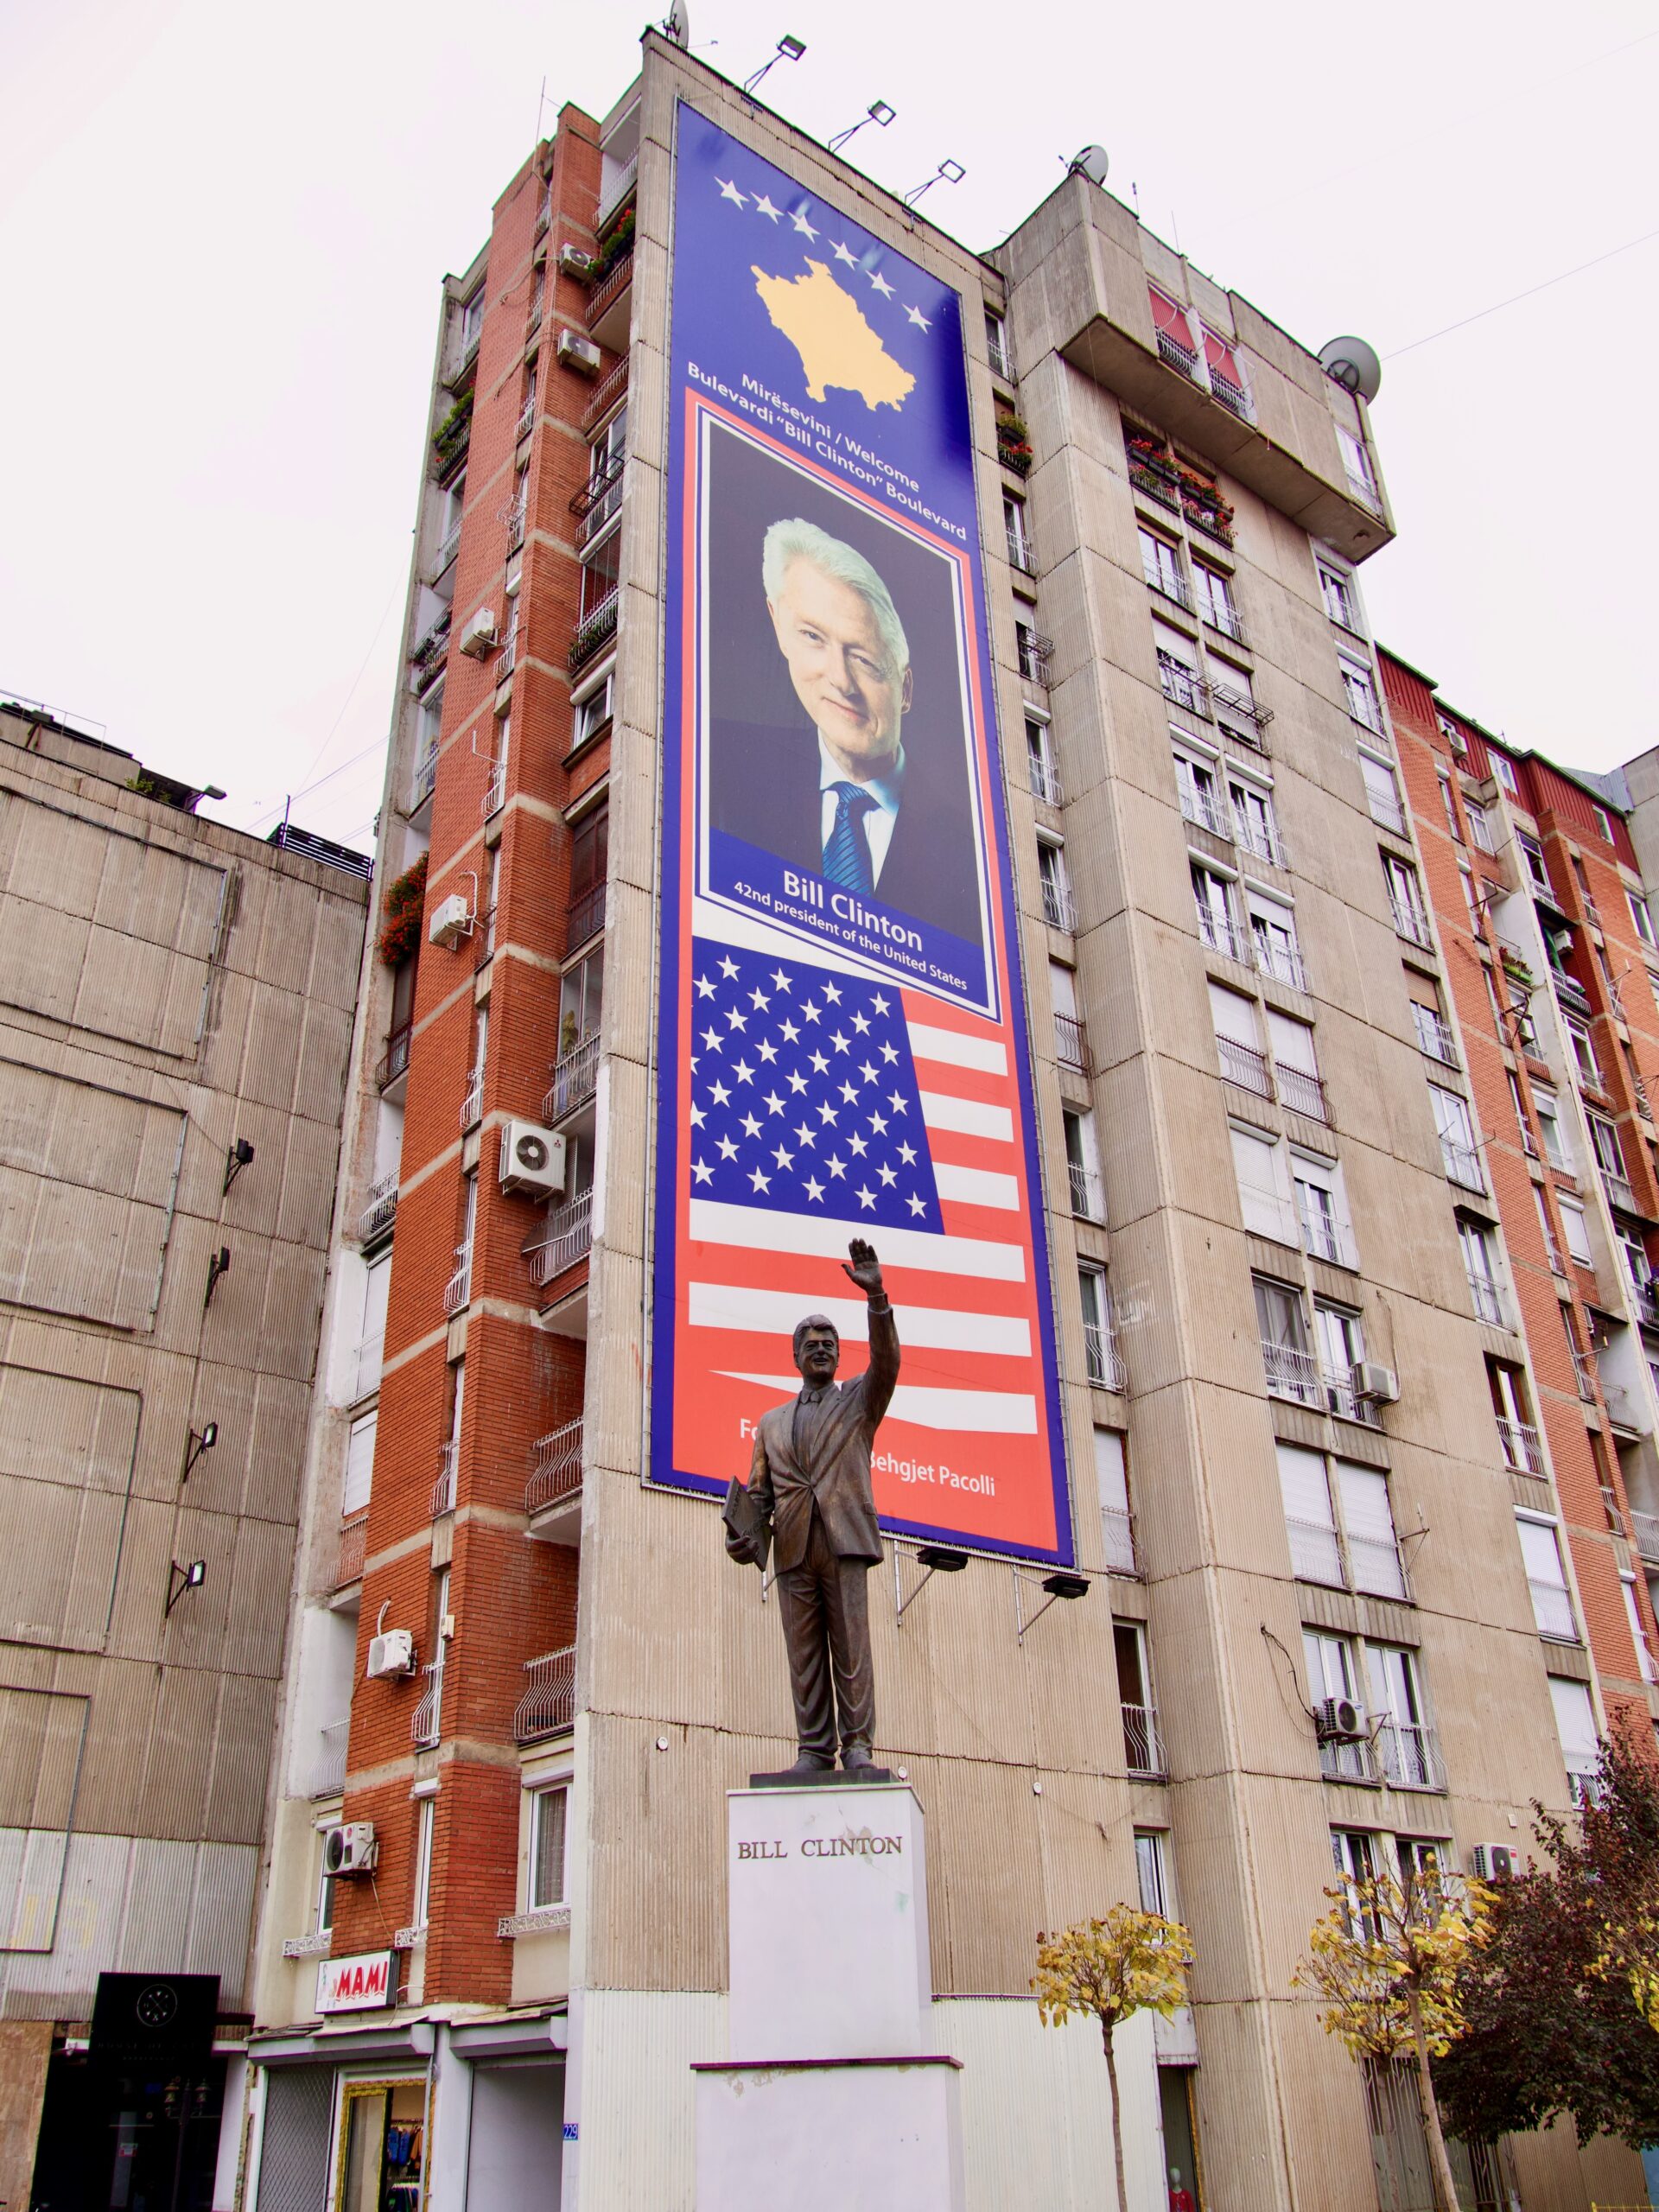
(749, 1533)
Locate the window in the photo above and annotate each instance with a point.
(1503, 770)
(1294, 1064)
(589, 865)
(1480, 829)
(1359, 1551)
(1214, 592)
(1603, 821)
(1406, 901)
(1160, 564)
(1101, 1360)
(1575, 1725)
(1319, 1210)
(590, 715)
(1032, 652)
(1405, 1743)
(1342, 1347)
(1083, 1163)
(1341, 601)
(1151, 1872)
(471, 319)
(549, 1812)
(1333, 1672)
(371, 1342)
(1360, 692)
(1549, 1128)
(325, 1892)
(1522, 1123)
(1173, 332)
(1433, 1031)
(1512, 1411)
(1552, 1245)
(1638, 1630)
(1213, 896)
(1238, 1041)
(1552, 1605)
(601, 572)
(1199, 781)
(1604, 1142)
(1253, 817)
(1178, 670)
(1533, 852)
(359, 1467)
(1226, 377)
(1273, 933)
(1458, 1154)
(1368, 1525)
(1449, 804)
(425, 1819)
(1453, 736)
(1058, 910)
(1143, 1751)
(1641, 915)
(1044, 778)
(996, 346)
(1232, 696)
(1019, 537)
(1584, 1053)
(1071, 1037)
(1112, 1479)
(1480, 1265)
(429, 720)
(1576, 1231)
(1382, 794)
(1292, 1370)
(1310, 1523)
(1263, 1195)
(1634, 1256)
(1357, 463)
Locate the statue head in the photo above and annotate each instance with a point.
(817, 1348)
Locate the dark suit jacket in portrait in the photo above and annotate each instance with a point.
(815, 1450)
(763, 787)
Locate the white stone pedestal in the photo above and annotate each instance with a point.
(833, 2097)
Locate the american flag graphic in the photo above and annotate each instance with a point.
(819, 1106)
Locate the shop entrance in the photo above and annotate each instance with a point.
(382, 2146)
(127, 2139)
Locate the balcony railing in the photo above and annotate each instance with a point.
(557, 1472)
(1087, 1202)
(1376, 1566)
(1365, 492)
(381, 1210)
(548, 1703)
(1118, 1534)
(1326, 1236)
(1156, 484)
(1046, 781)
(1315, 1554)
(1222, 934)
(575, 1078)
(611, 287)
(1303, 1093)
(495, 790)
(1345, 1401)
(1182, 686)
(1231, 394)
(1410, 1755)
(1347, 1762)
(1207, 808)
(1072, 1043)
(515, 519)
(599, 499)
(1462, 1165)
(1522, 1449)
(484, 939)
(1261, 838)
(394, 1061)
(596, 630)
(1244, 1065)
(1282, 962)
(585, 916)
(570, 1234)
(1168, 583)
(1103, 1362)
(1644, 1535)
(325, 1775)
(448, 546)
(424, 1726)
(1411, 922)
(1434, 1035)
(351, 1551)
(1387, 813)
(1221, 615)
(1618, 1190)
(1551, 1609)
(1000, 354)
(1570, 992)
(471, 1099)
(1292, 1373)
(1584, 1369)
(1059, 911)
(1235, 708)
(1035, 652)
(1177, 356)
(526, 424)
(443, 1490)
(457, 1290)
(423, 782)
(607, 392)
(1143, 1748)
(1020, 553)
(1488, 1301)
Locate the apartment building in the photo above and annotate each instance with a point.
(175, 999)
(1239, 1650)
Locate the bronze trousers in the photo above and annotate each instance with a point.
(824, 1603)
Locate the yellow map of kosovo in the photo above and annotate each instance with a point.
(828, 330)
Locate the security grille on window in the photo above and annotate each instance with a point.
(1406, 1744)
(1295, 1066)
(1292, 1370)
(1238, 1040)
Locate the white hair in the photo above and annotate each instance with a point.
(799, 540)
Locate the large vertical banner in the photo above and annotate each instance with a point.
(842, 1031)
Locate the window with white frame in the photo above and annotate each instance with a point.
(425, 1822)
(1083, 1163)
(1642, 915)
(1341, 600)
(1160, 564)
(1552, 1603)
(1603, 821)
(1178, 670)
(1058, 910)
(1405, 1743)
(590, 714)
(1292, 1369)
(472, 318)
(325, 1886)
(1118, 1527)
(1368, 1531)
(1635, 1254)
(1584, 1053)
(1458, 1153)
(377, 1282)
(1480, 1265)
(1273, 933)
(1604, 1142)
(1341, 1337)
(1100, 1351)
(1533, 853)
(1152, 1872)
(1356, 462)
(1321, 1213)
(1238, 1040)
(1040, 755)
(1018, 536)
(1295, 1065)
(1638, 1629)
(1382, 794)
(1334, 1673)
(549, 1836)
(1576, 1229)
(1309, 1519)
(1359, 689)
(1552, 1243)
(1504, 769)
(1257, 826)
(1575, 1727)
(429, 720)
(1197, 778)
(1233, 697)
(1480, 827)
(1544, 1105)
(1213, 896)
(359, 1467)
(1405, 900)
(1449, 804)
(1214, 591)
(1264, 1198)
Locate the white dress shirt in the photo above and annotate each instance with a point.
(876, 823)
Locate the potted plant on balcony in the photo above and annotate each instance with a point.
(452, 433)
(617, 243)
(1013, 445)
(405, 903)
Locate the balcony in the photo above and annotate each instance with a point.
(1157, 483)
(1034, 655)
(570, 1234)
(1618, 1190)
(377, 1218)
(394, 1061)
(1292, 1373)
(596, 631)
(549, 1704)
(471, 1099)
(609, 389)
(1059, 910)
(1046, 781)
(1000, 354)
(1231, 394)
(1348, 1761)
(1087, 1201)
(1118, 1537)
(458, 1289)
(599, 500)
(1072, 1043)
(526, 424)
(1644, 1535)
(1177, 356)
(1302, 1093)
(1326, 1236)
(1243, 1065)
(1103, 1362)
(1411, 922)
(1488, 1300)
(1551, 1609)
(585, 916)
(1257, 835)
(1283, 961)
(611, 330)
(1435, 1036)
(351, 1551)
(1522, 1449)
(1315, 1554)
(575, 1079)
(1207, 808)
(557, 1475)
(1168, 584)
(325, 1770)
(1387, 813)
(423, 782)
(1222, 934)
(1345, 1401)
(1143, 1748)
(1244, 716)
(424, 1726)
(1183, 686)
(443, 1490)
(1571, 993)
(1462, 1165)
(1020, 553)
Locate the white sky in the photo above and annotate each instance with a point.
(222, 230)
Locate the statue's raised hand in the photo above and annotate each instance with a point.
(866, 1270)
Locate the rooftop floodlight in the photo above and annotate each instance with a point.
(948, 172)
(240, 1156)
(877, 112)
(938, 1558)
(1060, 1584)
(789, 49)
(202, 1439)
(180, 1579)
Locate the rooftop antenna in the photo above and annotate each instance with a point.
(950, 172)
(789, 49)
(1353, 364)
(1091, 162)
(678, 25)
(877, 113)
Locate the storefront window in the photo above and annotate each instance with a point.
(383, 2142)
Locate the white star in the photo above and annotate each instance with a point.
(832, 996)
(861, 1022)
(907, 1153)
(729, 967)
(890, 1053)
(697, 1117)
(878, 1003)
(692, 1064)
(761, 1182)
(744, 1072)
(918, 319)
(868, 1072)
(720, 1095)
(814, 1188)
(705, 989)
(801, 224)
(915, 1204)
(827, 1115)
(703, 1172)
(878, 1123)
(845, 252)
(850, 1092)
(886, 1175)
(780, 979)
(730, 192)
(840, 1042)
(773, 1102)
(782, 1157)
(757, 998)
(713, 1039)
(727, 1149)
(880, 283)
(789, 1033)
(810, 1011)
(796, 1080)
(838, 1166)
(896, 1100)
(751, 1128)
(767, 1050)
(857, 1145)
(738, 1020)
(819, 1063)
(866, 1197)
(763, 206)
(804, 1133)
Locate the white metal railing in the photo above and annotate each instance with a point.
(1207, 808)
(1182, 686)
(1348, 1761)
(380, 1210)
(1118, 1533)
(1645, 1533)
(1315, 1554)
(526, 421)
(424, 781)
(443, 1490)
(1222, 934)
(1046, 781)
(1411, 922)
(1303, 1093)
(1346, 1401)
(1618, 1189)
(1388, 813)
(424, 1726)
(1434, 1035)
(495, 792)
(557, 1472)
(448, 546)
(1071, 1042)
(1245, 1066)
(458, 1289)
(1282, 962)
(1551, 1609)
(1260, 837)
(1103, 1362)
(351, 1551)
(1584, 1367)
(326, 1769)
(1087, 1201)
(1143, 1746)
(1059, 911)
(471, 1099)
(1462, 1165)
(1292, 1373)
(1020, 553)
(1376, 1566)
(569, 1233)
(1177, 356)
(1326, 1236)
(1522, 1449)
(1366, 492)
(548, 1703)
(1489, 1301)
(1000, 354)
(575, 1078)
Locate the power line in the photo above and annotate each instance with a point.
(260, 822)
(1480, 313)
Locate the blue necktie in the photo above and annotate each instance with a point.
(846, 855)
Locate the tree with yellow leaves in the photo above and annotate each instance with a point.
(1389, 1960)
(1108, 1970)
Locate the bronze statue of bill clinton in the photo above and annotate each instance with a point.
(809, 1492)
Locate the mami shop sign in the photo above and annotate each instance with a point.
(365, 1982)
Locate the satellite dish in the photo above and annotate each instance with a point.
(678, 25)
(1091, 162)
(1353, 364)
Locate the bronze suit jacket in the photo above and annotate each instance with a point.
(816, 1450)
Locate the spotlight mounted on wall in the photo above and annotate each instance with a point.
(217, 1266)
(180, 1579)
(240, 1156)
(202, 1439)
(1061, 1584)
(877, 112)
(789, 49)
(946, 173)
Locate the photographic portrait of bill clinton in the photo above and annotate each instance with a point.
(866, 787)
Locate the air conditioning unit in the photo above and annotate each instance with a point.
(576, 260)
(1376, 1382)
(1339, 1720)
(452, 920)
(391, 1654)
(1491, 1862)
(350, 1849)
(479, 636)
(532, 1160)
(575, 352)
